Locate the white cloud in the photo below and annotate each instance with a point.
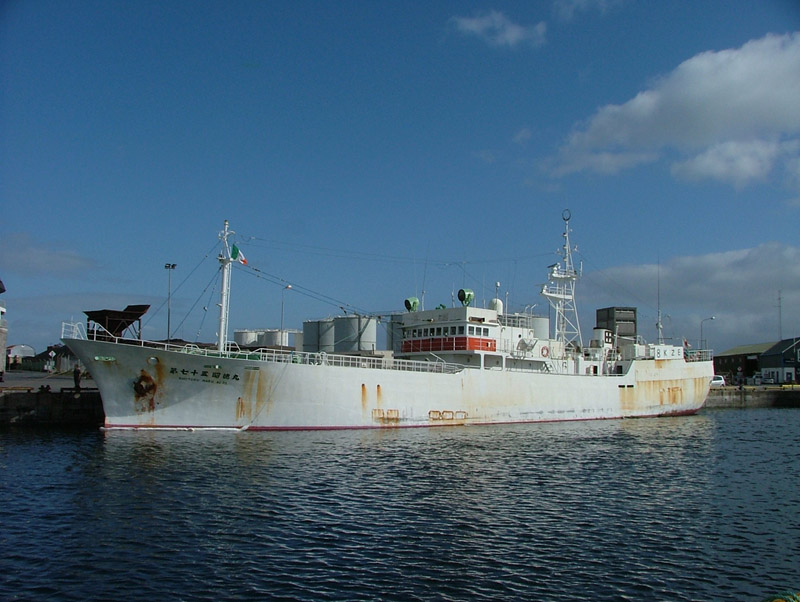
(603, 162)
(496, 29)
(740, 288)
(730, 109)
(566, 9)
(21, 254)
(793, 171)
(522, 136)
(732, 94)
(733, 161)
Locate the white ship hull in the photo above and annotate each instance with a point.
(151, 387)
(447, 366)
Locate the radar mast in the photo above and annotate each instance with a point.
(560, 292)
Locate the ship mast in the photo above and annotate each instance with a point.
(225, 294)
(560, 292)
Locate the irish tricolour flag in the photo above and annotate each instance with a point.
(237, 255)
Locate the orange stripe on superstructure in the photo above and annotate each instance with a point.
(449, 344)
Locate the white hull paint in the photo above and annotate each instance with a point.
(146, 387)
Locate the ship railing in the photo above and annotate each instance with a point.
(376, 363)
(698, 355)
(333, 359)
(517, 320)
(346, 361)
(73, 330)
(77, 331)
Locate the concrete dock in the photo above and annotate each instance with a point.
(766, 396)
(42, 399)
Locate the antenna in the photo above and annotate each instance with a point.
(659, 325)
(424, 278)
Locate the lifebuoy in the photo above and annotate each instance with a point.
(545, 351)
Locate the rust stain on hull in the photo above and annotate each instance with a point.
(241, 409)
(255, 396)
(147, 394)
(244, 404)
(669, 395)
(365, 404)
(144, 391)
(386, 417)
(447, 417)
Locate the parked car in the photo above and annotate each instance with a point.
(718, 380)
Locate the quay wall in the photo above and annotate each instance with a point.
(63, 407)
(753, 397)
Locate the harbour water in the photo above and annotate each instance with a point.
(705, 507)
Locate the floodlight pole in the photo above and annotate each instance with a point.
(169, 267)
(702, 346)
(283, 291)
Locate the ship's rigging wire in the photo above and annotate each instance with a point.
(599, 271)
(375, 257)
(211, 282)
(299, 288)
(344, 306)
(258, 242)
(208, 303)
(178, 287)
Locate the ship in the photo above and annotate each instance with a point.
(450, 366)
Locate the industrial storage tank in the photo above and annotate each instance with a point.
(311, 336)
(263, 337)
(246, 338)
(273, 338)
(326, 335)
(355, 333)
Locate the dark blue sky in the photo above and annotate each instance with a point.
(371, 150)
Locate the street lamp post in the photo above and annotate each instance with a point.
(169, 267)
(702, 345)
(283, 291)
